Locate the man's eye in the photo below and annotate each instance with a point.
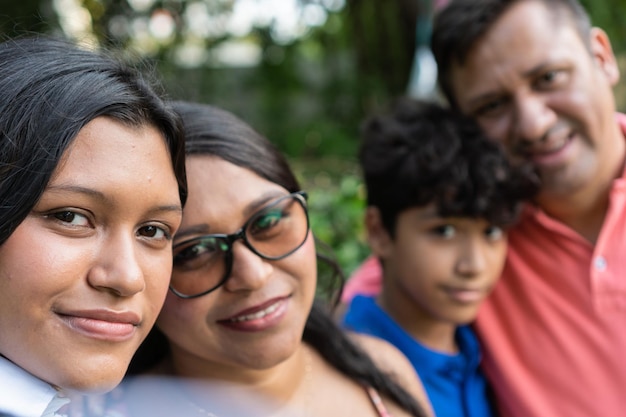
(552, 79)
(549, 76)
(490, 109)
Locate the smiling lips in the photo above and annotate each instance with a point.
(103, 324)
(258, 318)
(550, 151)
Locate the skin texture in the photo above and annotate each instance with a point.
(222, 196)
(390, 359)
(533, 84)
(437, 271)
(84, 275)
(270, 361)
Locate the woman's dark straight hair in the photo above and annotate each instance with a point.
(49, 89)
(212, 131)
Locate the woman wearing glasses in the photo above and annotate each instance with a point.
(241, 308)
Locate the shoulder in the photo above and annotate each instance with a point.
(393, 362)
(386, 356)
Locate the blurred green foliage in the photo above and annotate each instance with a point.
(336, 206)
(307, 94)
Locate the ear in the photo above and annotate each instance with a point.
(378, 238)
(603, 55)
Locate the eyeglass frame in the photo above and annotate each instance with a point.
(230, 239)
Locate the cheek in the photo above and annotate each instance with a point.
(496, 256)
(497, 129)
(157, 273)
(417, 253)
(42, 267)
(303, 263)
(309, 266)
(178, 313)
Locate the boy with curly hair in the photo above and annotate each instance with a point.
(440, 197)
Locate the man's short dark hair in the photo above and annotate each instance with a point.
(462, 23)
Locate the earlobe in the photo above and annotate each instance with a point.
(377, 236)
(603, 54)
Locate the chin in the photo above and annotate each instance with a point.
(104, 384)
(269, 356)
(94, 376)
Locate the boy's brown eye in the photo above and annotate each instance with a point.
(494, 233)
(445, 230)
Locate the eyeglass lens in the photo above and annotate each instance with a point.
(202, 264)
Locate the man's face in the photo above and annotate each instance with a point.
(532, 83)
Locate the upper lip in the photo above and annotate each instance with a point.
(256, 308)
(105, 315)
(552, 141)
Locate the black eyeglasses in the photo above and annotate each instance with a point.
(204, 263)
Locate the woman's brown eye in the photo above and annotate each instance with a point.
(64, 216)
(154, 232)
(71, 217)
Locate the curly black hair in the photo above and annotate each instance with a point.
(421, 153)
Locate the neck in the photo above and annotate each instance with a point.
(585, 216)
(431, 332)
(279, 384)
(584, 209)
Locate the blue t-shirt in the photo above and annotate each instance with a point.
(454, 384)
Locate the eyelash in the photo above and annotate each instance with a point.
(58, 214)
(167, 235)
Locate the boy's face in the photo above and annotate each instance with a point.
(438, 270)
(534, 85)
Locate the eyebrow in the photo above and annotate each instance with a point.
(198, 229)
(103, 199)
(529, 73)
(262, 200)
(535, 70)
(249, 210)
(430, 215)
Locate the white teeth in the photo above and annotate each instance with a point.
(256, 315)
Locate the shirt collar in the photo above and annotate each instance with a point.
(23, 394)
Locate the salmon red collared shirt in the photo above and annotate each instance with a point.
(554, 330)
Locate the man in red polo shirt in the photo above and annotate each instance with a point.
(538, 78)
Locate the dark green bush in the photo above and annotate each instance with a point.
(336, 206)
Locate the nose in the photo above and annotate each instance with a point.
(249, 271)
(471, 260)
(117, 267)
(533, 119)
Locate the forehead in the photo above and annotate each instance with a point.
(212, 174)
(429, 215)
(526, 37)
(109, 152)
(218, 187)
